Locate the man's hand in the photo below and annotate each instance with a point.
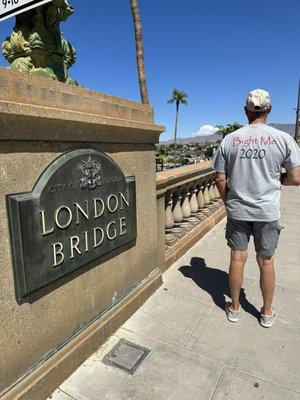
(221, 182)
(291, 177)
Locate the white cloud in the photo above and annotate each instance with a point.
(206, 130)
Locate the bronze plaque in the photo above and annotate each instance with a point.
(81, 208)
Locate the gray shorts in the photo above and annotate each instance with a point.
(265, 235)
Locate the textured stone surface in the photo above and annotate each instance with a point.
(35, 108)
(49, 118)
(16, 87)
(59, 313)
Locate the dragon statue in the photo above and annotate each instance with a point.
(37, 45)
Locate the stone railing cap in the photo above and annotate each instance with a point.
(169, 179)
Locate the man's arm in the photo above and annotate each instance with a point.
(291, 177)
(221, 182)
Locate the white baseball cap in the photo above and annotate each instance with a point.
(258, 100)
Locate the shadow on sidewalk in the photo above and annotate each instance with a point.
(215, 282)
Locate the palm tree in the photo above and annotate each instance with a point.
(178, 97)
(139, 50)
(225, 130)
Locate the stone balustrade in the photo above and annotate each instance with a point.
(189, 203)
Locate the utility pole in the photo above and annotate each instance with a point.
(297, 133)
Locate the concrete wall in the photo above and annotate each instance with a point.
(43, 342)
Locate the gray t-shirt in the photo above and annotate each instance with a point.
(253, 157)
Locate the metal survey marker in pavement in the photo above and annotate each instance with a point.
(126, 356)
(9, 8)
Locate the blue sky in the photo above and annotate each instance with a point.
(216, 51)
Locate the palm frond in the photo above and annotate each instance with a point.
(179, 96)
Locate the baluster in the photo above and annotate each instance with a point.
(193, 200)
(203, 197)
(218, 196)
(206, 211)
(200, 201)
(211, 191)
(169, 220)
(200, 197)
(177, 214)
(186, 208)
(212, 194)
(193, 204)
(217, 193)
(206, 194)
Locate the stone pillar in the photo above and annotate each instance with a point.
(41, 120)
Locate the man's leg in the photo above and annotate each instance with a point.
(266, 236)
(236, 273)
(267, 282)
(237, 235)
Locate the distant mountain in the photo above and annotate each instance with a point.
(288, 128)
(196, 139)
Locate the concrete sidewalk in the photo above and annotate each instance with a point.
(195, 353)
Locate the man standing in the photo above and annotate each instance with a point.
(248, 167)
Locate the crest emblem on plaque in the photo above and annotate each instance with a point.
(89, 174)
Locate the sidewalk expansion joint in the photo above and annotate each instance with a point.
(196, 325)
(287, 324)
(262, 379)
(169, 344)
(178, 295)
(253, 289)
(217, 384)
(67, 394)
(206, 358)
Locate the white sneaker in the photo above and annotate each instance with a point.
(267, 320)
(232, 315)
